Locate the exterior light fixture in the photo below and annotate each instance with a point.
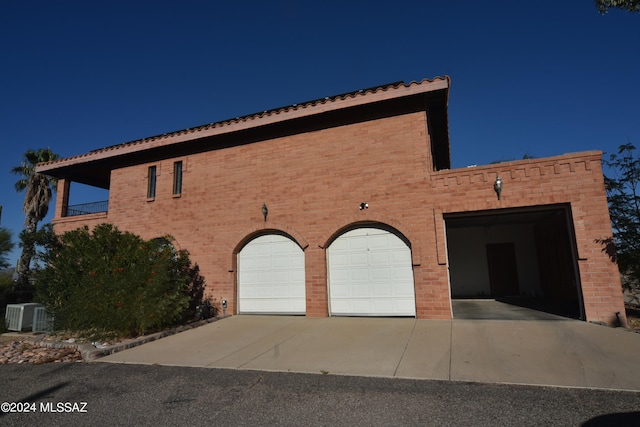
(364, 205)
(265, 211)
(497, 186)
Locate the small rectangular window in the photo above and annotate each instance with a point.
(151, 183)
(177, 178)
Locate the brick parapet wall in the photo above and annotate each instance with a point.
(575, 180)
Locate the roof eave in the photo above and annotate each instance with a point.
(296, 111)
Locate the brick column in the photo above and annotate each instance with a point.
(316, 280)
(62, 198)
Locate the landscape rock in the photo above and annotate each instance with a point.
(28, 352)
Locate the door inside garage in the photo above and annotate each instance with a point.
(271, 276)
(370, 274)
(521, 257)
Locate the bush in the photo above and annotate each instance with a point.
(109, 283)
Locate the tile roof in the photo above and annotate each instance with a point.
(358, 97)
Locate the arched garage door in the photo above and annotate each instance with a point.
(370, 274)
(271, 276)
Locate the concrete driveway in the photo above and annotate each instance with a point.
(551, 352)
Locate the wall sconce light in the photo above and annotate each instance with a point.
(364, 205)
(497, 186)
(265, 211)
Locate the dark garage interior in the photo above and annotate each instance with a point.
(523, 260)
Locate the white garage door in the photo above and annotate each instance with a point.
(370, 274)
(271, 276)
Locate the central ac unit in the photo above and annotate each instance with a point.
(19, 317)
(42, 320)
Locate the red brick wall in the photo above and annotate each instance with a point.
(313, 184)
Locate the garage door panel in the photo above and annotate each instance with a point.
(261, 263)
(283, 306)
(359, 290)
(357, 242)
(350, 307)
(340, 307)
(256, 305)
(380, 274)
(360, 258)
(340, 259)
(265, 277)
(339, 292)
(263, 248)
(281, 277)
(404, 278)
(381, 290)
(379, 258)
(379, 242)
(397, 257)
(404, 304)
(397, 243)
(271, 276)
(340, 245)
(381, 306)
(251, 276)
(298, 292)
(403, 292)
(279, 248)
(375, 278)
(281, 291)
(246, 291)
(297, 277)
(360, 274)
(279, 262)
(342, 274)
(264, 292)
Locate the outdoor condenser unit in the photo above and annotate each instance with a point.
(42, 320)
(19, 317)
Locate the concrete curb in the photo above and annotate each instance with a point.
(90, 352)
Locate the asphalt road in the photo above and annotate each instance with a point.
(121, 394)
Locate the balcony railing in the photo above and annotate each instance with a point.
(88, 208)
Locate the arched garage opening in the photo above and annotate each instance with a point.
(271, 276)
(521, 257)
(370, 274)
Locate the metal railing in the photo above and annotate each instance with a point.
(88, 208)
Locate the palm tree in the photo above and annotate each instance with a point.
(39, 192)
(5, 246)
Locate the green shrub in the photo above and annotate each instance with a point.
(108, 283)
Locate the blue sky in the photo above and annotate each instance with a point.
(543, 78)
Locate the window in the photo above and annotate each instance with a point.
(177, 178)
(151, 183)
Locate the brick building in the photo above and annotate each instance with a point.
(347, 206)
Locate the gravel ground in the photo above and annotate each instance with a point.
(29, 352)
